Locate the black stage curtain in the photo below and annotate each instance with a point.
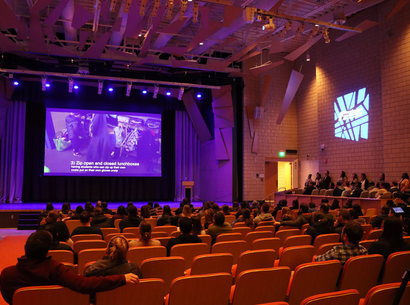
(38, 188)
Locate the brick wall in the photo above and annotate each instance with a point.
(378, 60)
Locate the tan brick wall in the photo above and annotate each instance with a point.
(378, 60)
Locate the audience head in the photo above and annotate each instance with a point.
(335, 204)
(354, 176)
(358, 209)
(343, 215)
(327, 173)
(395, 183)
(49, 206)
(390, 203)
(53, 231)
(132, 211)
(185, 225)
(363, 176)
(287, 213)
(372, 183)
(98, 204)
(145, 212)
(342, 174)
(185, 201)
(215, 207)
(309, 176)
(145, 231)
(324, 200)
(90, 209)
(52, 216)
(121, 210)
(324, 208)
(352, 232)
(246, 214)
(392, 230)
(316, 216)
(79, 209)
(196, 225)
(157, 206)
(209, 216)
(98, 211)
(382, 177)
(87, 204)
(283, 202)
(295, 204)
(38, 244)
(85, 217)
(235, 205)
(65, 208)
(244, 204)
(187, 210)
(225, 209)
(104, 204)
(353, 214)
(312, 183)
(339, 183)
(312, 205)
(166, 210)
(117, 248)
(219, 219)
(318, 176)
(304, 208)
(405, 176)
(385, 209)
(151, 204)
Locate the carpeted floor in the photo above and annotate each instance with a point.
(11, 247)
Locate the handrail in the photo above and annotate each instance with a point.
(284, 188)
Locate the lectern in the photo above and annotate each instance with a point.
(187, 187)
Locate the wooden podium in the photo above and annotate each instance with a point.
(188, 187)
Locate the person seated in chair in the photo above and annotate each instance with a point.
(86, 227)
(185, 225)
(132, 221)
(378, 220)
(309, 189)
(100, 220)
(265, 215)
(36, 269)
(357, 190)
(304, 217)
(342, 218)
(352, 233)
(219, 227)
(338, 189)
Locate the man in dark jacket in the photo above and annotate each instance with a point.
(132, 220)
(36, 269)
(309, 189)
(185, 225)
(100, 220)
(357, 190)
(378, 220)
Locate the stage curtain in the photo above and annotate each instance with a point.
(12, 153)
(187, 155)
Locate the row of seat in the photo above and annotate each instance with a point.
(364, 194)
(269, 286)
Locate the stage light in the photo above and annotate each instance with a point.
(100, 86)
(76, 87)
(127, 6)
(181, 93)
(43, 83)
(312, 33)
(170, 6)
(182, 9)
(195, 12)
(155, 8)
(143, 4)
(287, 27)
(300, 31)
(325, 33)
(111, 89)
(144, 90)
(70, 85)
(199, 95)
(269, 26)
(156, 90)
(168, 92)
(113, 4)
(201, 43)
(15, 83)
(307, 57)
(129, 87)
(48, 85)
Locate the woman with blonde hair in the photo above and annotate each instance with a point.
(186, 211)
(115, 261)
(287, 214)
(145, 239)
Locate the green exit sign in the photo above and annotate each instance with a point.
(282, 154)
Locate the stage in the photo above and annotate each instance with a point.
(10, 212)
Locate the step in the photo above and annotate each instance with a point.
(28, 221)
(29, 216)
(27, 227)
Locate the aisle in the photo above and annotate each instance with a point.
(11, 247)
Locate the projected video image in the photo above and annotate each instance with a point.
(352, 116)
(98, 143)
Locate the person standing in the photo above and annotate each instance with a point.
(326, 180)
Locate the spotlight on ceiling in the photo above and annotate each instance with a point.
(307, 57)
(325, 33)
(199, 95)
(16, 83)
(100, 86)
(195, 12)
(144, 90)
(269, 26)
(70, 85)
(156, 90)
(43, 83)
(76, 87)
(182, 9)
(129, 87)
(286, 28)
(143, 4)
(181, 93)
(111, 89)
(168, 92)
(170, 6)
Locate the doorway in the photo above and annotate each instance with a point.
(280, 175)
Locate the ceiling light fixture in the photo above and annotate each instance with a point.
(156, 90)
(182, 9)
(199, 95)
(195, 12)
(181, 93)
(155, 8)
(307, 57)
(286, 28)
(143, 4)
(168, 92)
(16, 83)
(111, 89)
(325, 33)
(170, 6)
(127, 6)
(269, 26)
(100, 86)
(76, 87)
(144, 90)
(43, 83)
(300, 31)
(129, 87)
(70, 85)
(113, 5)
(312, 33)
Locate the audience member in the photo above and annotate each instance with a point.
(335, 204)
(105, 209)
(186, 212)
(394, 188)
(391, 240)
(196, 226)
(351, 235)
(355, 180)
(342, 218)
(56, 245)
(364, 183)
(86, 227)
(308, 180)
(245, 218)
(342, 178)
(304, 217)
(358, 209)
(185, 225)
(219, 227)
(287, 214)
(66, 208)
(244, 205)
(35, 269)
(338, 189)
(295, 205)
(312, 207)
(100, 220)
(62, 231)
(349, 204)
(282, 203)
(378, 220)
(44, 213)
(381, 191)
(145, 239)
(326, 181)
(318, 180)
(356, 191)
(165, 218)
(77, 214)
(121, 214)
(318, 226)
(115, 261)
(145, 212)
(132, 221)
(404, 183)
(373, 186)
(382, 178)
(309, 189)
(209, 218)
(225, 209)
(324, 209)
(265, 215)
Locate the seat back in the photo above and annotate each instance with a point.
(63, 256)
(315, 192)
(252, 281)
(371, 211)
(301, 286)
(283, 234)
(344, 194)
(206, 239)
(89, 244)
(230, 218)
(201, 289)
(266, 228)
(72, 224)
(126, 235)
(143, 293)
(366, 230)
(297, 240)
(266, 243)
(117, 223)
(367, 243)
(385, 294)
(256, 259)
(166, 229)
(138, 254)
(329, 193)
(152, 221)
(49, 295)
(322, 192)
(386, 195)
(229, 237)
(212, 263)
(242, 230)
(294, 256)
(189, 252)
(239, 224)
(395, 266)
(86, 237)
(87, 256)
(325, 239)
(364, 194)
(326, 247)
(165, 268)
(160, 234)
(107, 231)
(375, 234)
(345, 297)
(361, 273)
(250, 237)
(233, 247)
(163, 240)
(133, 230)
(70, 266)
(266, 223)
(175, 234)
